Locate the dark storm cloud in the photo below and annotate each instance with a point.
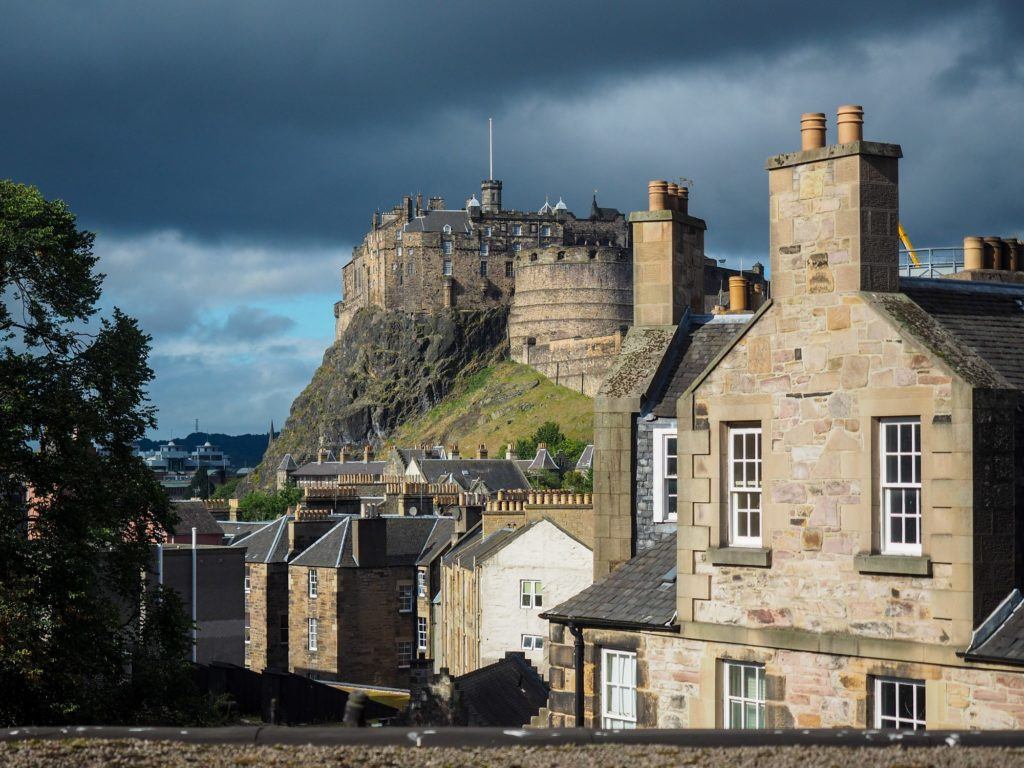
(253, 323)
(293, 119)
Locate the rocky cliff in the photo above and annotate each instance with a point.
(386, 368)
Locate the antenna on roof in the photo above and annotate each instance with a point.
(490, 148)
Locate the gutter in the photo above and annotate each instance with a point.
(578, 663)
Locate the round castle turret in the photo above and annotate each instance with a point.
(562, 292)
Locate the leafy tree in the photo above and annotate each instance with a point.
(200, 485)
(227, 489)
(261, 505)
(78, 512)
(548, 433)
(579, 482)
(544, 480)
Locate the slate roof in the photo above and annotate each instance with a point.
(470, 552)
(236, 530)
(498, 474)
(506, 694)
(1001, 636)
(333, 468)
(640, 594)
(287, 463)
(542, 460)
(638, 361)
(468, 540)
(434, 221)
(440, 538)
(688, 356)
(406, 538)
(267, 545)
(194, 514)
(986, 318)
(586, 460)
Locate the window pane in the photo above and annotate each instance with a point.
(750, 682)
(906, 469)
(751, 716)
(750, 450)
(755, 525)
(735, 684)
(670, 446)
(538, 601)
(905, 701)
(906, 437)
(737, 446)
(919, 705)
(735, 714)
(888, 699)
(670, 466)
(891, 465)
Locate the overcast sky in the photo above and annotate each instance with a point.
(229, 154)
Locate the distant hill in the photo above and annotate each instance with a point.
(244, 450)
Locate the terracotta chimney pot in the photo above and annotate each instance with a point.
(672, 190)
(657, 195)
(974, 253)
(684, 199)
(812, 130)
(1013, 264)
(993, 252)
(850, 122)
(1004, 255)
(737, 294)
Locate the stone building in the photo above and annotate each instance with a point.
(267, 552)
(420, 258)
(352, 600)
(494, 585)
(850, 471)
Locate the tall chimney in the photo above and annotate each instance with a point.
(668, 259)
(453, 452)
(510, 452)
(481, 451)
(344, 453)
(1013, 261)
(850, 123)
(672, 196)
(812, 130)
(367, 454)
(419, 203)
(369, 541)
(974, 253)
(835, 216)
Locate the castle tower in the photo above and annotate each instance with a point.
(490, 196)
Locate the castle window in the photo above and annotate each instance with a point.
(446, 247)
(510, 269)
(745, 486)
(487, 231)
(446, 267)
(561, 255)
(484, 249)
(545, 231)
(447, 229)
(517, 229)
(900, 475)
(409, 267)
(398, 235)
(399, 250)
(517, 247)
(665, 474)
(483, 269)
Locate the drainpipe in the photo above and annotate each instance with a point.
(195, 614)
(578, 645)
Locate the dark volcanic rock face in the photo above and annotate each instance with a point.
(387, 367)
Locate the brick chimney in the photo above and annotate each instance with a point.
(369, 541)
(834, 212)
(668, 257)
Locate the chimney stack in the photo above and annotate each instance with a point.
(1013, 254)
(835, 215)
(668, 257)
(453, 452)
(812, 130)
(419, 203)
(850, 123)
(369, 541)
(993, 252)
(344, 453)
(367, 454)
(510, 452)
(481, 451)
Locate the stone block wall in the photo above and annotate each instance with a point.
(648, 532)
(268, 616)
(579, 364)
(817, 372)
(679, 684)
(459, 620)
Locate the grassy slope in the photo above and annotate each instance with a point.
(495, 407)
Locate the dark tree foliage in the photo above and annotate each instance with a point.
(81, 640)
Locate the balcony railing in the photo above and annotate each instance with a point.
(932, 262)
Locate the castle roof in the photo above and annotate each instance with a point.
(436, 221)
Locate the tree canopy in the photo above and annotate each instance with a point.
(78, 512)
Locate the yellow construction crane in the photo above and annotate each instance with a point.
(910, 249)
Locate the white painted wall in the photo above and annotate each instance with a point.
(544, 552)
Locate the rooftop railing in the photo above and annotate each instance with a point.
(931, 262)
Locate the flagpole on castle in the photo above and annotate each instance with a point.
(490, 148)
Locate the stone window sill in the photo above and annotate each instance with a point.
(894, 565)
(751, 557)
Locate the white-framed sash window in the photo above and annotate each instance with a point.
(531, 594)
(899, 704)
(314, 582)
(311, 633)
(618, 689)
(900, 476)
(743, 702)
(745, 519)
(421, 633)
(666, 474)
(532, 642)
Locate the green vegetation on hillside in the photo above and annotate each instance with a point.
(498, 405)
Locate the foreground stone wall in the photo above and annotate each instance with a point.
(580, 364)
(648, 531)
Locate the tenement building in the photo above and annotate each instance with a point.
(848, 485)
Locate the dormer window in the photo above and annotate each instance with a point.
(447, 229)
